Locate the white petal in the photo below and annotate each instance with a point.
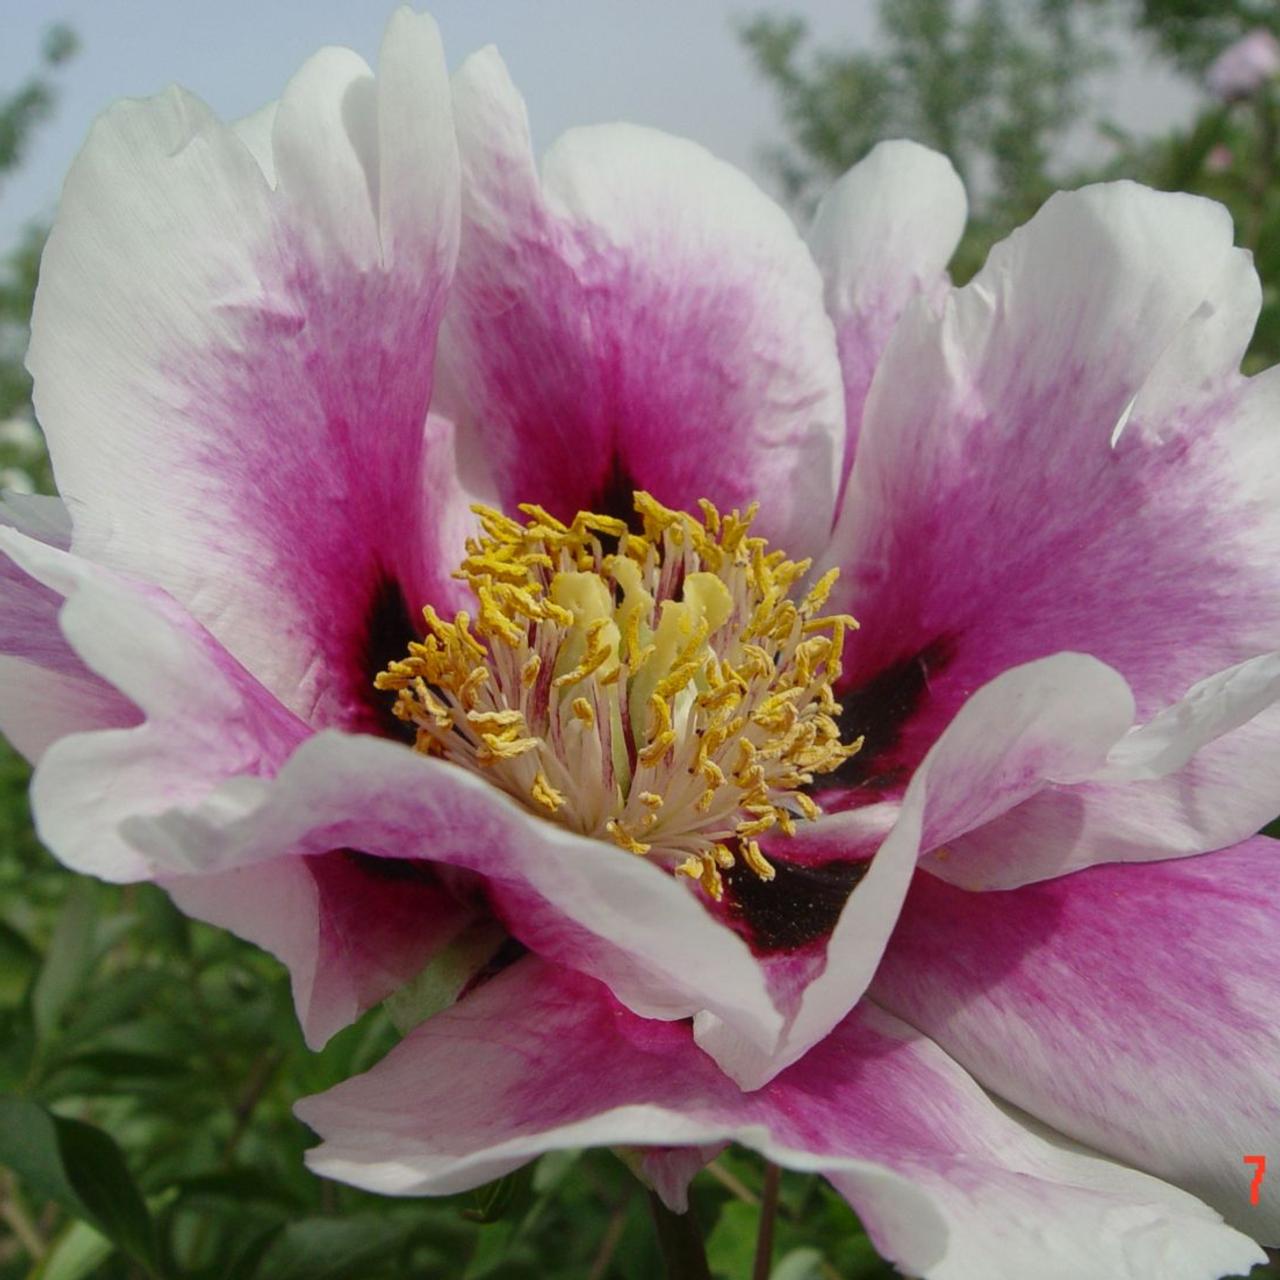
(882, 236)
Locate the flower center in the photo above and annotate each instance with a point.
(662, 690)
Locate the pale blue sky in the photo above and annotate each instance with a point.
(674, 64)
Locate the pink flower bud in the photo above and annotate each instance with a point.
(1219, 159)
(1244, 67)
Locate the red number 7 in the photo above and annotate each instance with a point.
(1260, 1167)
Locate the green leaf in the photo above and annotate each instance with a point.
(332, 1248)
(78, 1251)
(68, 961)
(799, 1264)
(97, 1170)
(114, 1006)
(121, 1063)
(163, 920)
(731, 1246)
(243, 1183)
(248, 1256)
(491, 1256)
(29, 1146)
(18, 961)
(80, 1168)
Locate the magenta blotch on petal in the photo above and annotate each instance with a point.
(234, 394)
(640, 317)
(1065, 456)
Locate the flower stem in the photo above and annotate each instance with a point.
(680, 1242)
(768, 1212)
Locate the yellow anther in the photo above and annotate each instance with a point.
(637, 603)
(543, 793)
(712, 773)
(624, 839)
(502, 529)
(667, 680)
(830, 621)
(517, 601)
(687, 664)
(820, 591)
(495, 749)
(719, 697)
(495, 620)
(703, 869)
(439, 711)
(602, 649)
(759, 826)
(541, 517)
(611, 526)
(469, 691)
(438, 627)
(660, 722)
(496, 719)
(497, 566)
(466, 642)
(632, 633)
(657, 518)
(658, 748)
(711, 880)
(756, 860)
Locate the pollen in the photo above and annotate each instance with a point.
(668, 691)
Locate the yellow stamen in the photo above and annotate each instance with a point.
(668, 680)
(624, 839)
(545, 794)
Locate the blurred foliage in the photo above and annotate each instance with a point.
(23, 464)
(1191, 33)
(33, 101)
(148, 1064)
(996, 86)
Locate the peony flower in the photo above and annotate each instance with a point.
(1242, 68)
(962, 908)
